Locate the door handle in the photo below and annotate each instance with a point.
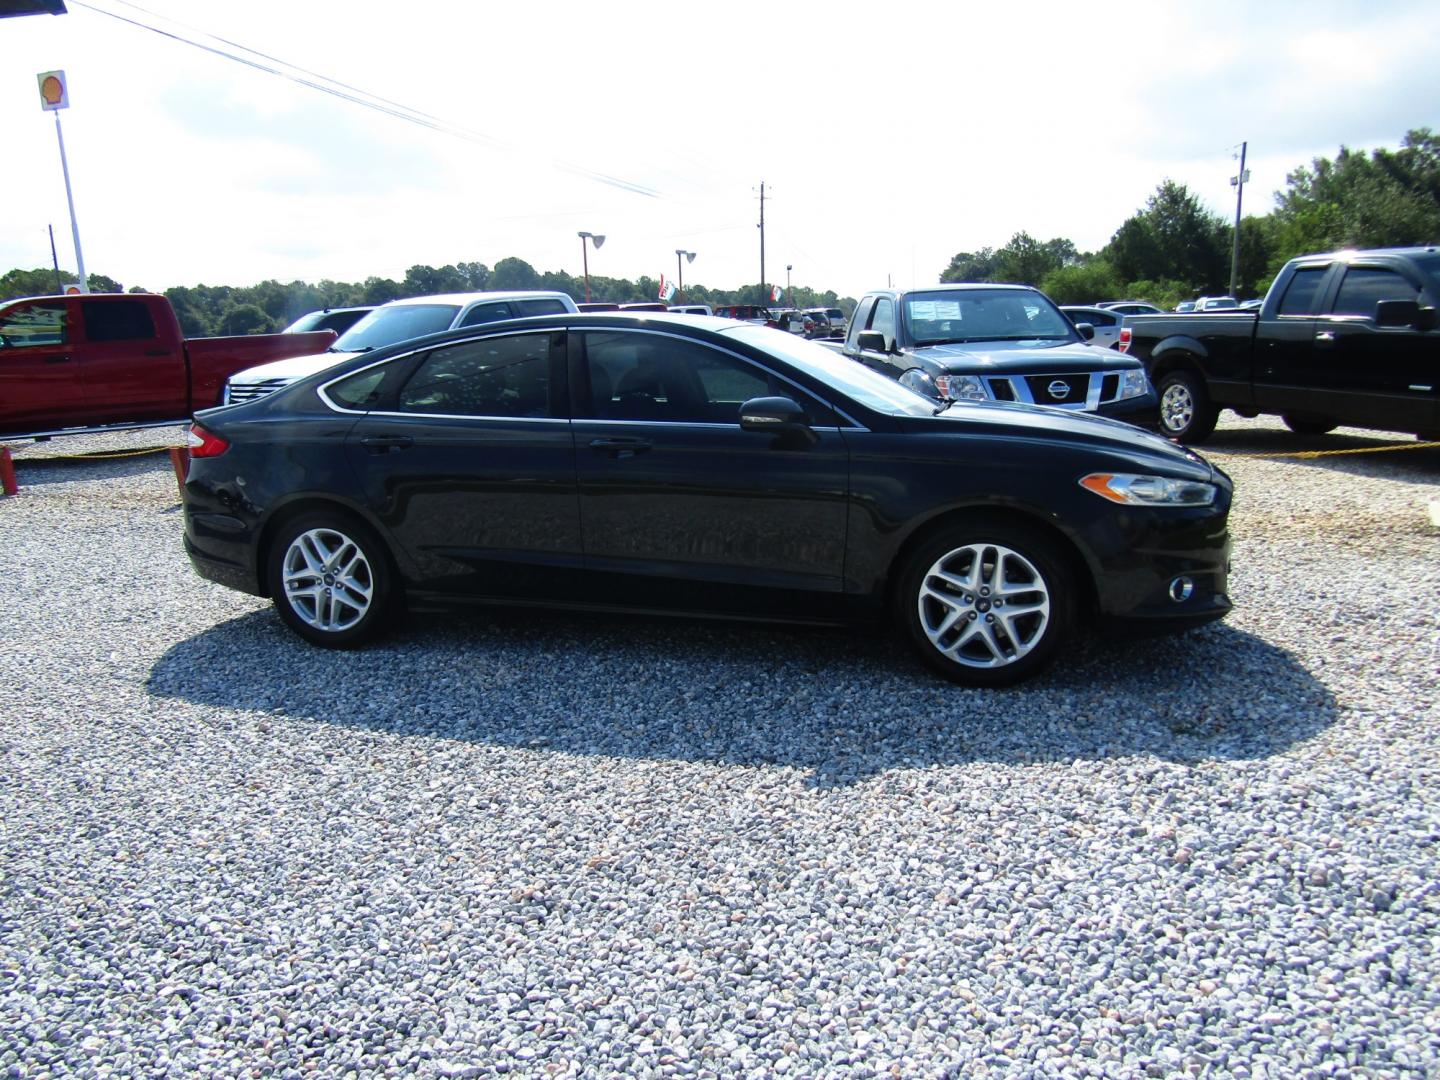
(157, 352)
(65, 359)
(1325, 337)
(386, 444)
(620, 448)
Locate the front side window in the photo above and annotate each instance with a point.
(1301, 293)
(499, 376)
(651, 377)
(1364, 287)
(34, 324)
(882, 319)
(486, 313)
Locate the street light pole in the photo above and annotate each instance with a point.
(788, 299)
(680, 273)
(585, 257)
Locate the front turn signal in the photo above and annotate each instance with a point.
(1130, 489)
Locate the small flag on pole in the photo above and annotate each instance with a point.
(667, 288)
(776, 293)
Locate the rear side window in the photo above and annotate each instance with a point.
(358, 391)
(1364, 287)
(498, 376)
(541, 307)
(34, 324)
(117, 320)
(1300, 294)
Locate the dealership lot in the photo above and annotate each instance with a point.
(560, 845)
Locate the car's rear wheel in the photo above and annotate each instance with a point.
(987, 603)
(1308, 425)
(1186, 412)
(330, 579)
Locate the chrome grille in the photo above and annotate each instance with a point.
(239, 393)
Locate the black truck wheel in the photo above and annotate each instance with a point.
(1186, 413)
(1308, 425)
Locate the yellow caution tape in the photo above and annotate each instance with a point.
(1306, 454)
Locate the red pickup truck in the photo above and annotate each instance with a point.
(117, 360)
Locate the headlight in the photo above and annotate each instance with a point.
(961, 387)
(1133, 384)
(1132, 490)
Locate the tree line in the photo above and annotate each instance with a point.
(1173, 249)
(1169, 250)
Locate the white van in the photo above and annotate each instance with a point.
(691, 309)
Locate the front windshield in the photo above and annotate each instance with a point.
(943, 317)
(387, 325)
(855, 381)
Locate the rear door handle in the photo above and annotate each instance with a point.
(157, 352)
(1325, 337)
(620, 448)
(386, 444)
(65, 359)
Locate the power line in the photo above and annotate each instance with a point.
(356, 96)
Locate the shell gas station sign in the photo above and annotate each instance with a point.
(54, 94)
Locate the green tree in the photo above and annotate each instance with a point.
(1083, 283)
(971, 266)
(513, 273)
(1173, 238)
(245, 319)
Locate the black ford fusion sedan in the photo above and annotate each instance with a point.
(663, 463)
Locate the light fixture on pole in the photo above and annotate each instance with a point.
(585, 257)
(788, 268)
(680, 275)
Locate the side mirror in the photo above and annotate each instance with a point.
(1086, 330)
(871, 341)
(772, 414)
(1397, 313)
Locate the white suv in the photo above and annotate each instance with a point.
(399, 320)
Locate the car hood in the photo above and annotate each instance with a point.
(1042, 422)
(294, 367)
(998, 356)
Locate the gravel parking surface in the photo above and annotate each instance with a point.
(554, 846)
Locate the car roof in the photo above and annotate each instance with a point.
(464, 298)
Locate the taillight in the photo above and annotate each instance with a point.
(1125, 333)
(205, 443)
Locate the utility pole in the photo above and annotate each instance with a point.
(55, 261)
(762, 237)
(1238, 183)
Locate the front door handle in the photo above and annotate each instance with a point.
(620, 448)
(386, 444)
(1325, 337)
(62, 359)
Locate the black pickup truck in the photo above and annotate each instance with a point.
(994, 343)
(1345, 338)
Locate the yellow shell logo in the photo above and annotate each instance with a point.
(52, 90)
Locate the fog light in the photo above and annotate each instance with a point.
(1181, 588)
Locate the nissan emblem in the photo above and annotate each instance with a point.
(1059, 389)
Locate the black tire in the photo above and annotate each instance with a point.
(1186, 412)
(1304, 425)
(331, 579)
(941, 593)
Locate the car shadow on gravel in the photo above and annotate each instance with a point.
(839, 705)
(37, 471)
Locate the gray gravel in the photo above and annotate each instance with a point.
(555, 846)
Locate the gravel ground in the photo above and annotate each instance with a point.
(554, 846)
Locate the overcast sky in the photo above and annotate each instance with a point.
(888, 136)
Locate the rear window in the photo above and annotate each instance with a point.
(1300, 294)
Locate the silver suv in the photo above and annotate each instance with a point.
(399, 320)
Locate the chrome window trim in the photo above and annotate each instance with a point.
(728, 352)
(415, 352)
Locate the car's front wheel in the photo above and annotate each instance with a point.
(330, 579)
(986, 604)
